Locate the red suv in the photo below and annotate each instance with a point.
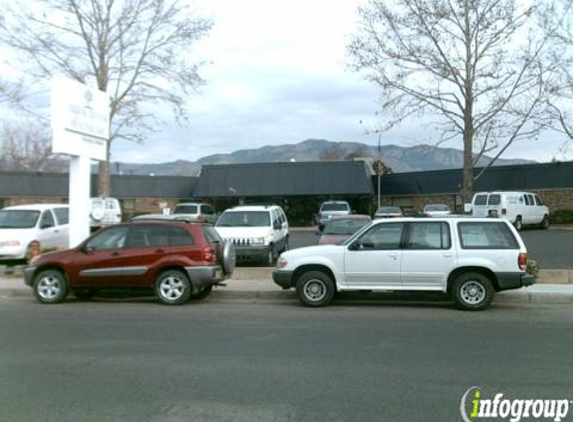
(180, 261)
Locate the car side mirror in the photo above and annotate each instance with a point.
(88, 249)
(277, 226)
(354, 246)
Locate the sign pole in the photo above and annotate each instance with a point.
(79, 197)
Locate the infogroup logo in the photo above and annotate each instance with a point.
(474, 407)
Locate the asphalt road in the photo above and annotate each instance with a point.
(552, 249)
(246, 361)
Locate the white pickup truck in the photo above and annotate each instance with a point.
(470, 258)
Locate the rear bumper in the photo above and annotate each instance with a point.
(508, 281)
(206, 276)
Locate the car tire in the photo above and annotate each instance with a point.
(271, 257)
(202, 293)
(472, 291)
(84, 294)
(173, 287)
(545, 222)
(50, 286)
(518, 223)
(315, 289)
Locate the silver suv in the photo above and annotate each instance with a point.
(331, 209)
(195, 212)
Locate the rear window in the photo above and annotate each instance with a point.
(429, 236)
(480, 200)
(494, 200)
(185, 209)
(143, 236)
(486, 235)
(334, 207)
(211, 235)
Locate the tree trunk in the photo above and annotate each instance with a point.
(104, 185)
(468, 174)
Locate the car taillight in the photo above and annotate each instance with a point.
(504, 211)
(522, 261)
(209, 254)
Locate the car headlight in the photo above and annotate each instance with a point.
(281, 262)
(258, 241)
(10, 243)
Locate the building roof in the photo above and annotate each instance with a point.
(284, 179)
(515, 177)
(26, 184)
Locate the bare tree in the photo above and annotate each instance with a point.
(138, 51)
(479, 67)
(24, 146)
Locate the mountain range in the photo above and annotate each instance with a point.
(399, 159)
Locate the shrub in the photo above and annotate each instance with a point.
(532, 268)
(561, 217)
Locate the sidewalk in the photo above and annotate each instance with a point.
(256, 283)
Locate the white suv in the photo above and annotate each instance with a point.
(104, 212)
(259, 232)
(21, 225)
(467, 257)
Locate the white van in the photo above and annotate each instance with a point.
(520, 208)
(21, 225)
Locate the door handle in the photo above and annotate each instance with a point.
(115, 254)
(159, 250)
(393, 255)
(448, 255)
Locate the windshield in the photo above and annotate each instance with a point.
(244, 219)
(389, 210)
(437, 207)
(344, 227)
(18, 219)
(334, 207)
(185, 209)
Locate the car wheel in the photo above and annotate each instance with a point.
(173, 287)
(84, 294)
(50, 286)
(271, 257)
(315, 289)
(518, 223)
(473, 292)
(545, 222)
(202, 293)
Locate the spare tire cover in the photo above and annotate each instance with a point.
(229, 258)
(97, 214)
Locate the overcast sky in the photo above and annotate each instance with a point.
(277, 75)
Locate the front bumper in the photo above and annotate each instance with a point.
(29, 272)
(206, 275)
(252, 253)
(283, 278)
(508, 281)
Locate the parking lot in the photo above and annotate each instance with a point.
(550, 248)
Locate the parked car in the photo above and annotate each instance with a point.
(196, 211)
(331, 209)
(104, 212)
(21, 225)
(388, 212)
(436, 210)
(259, 232)
(520, 208)
(468, 258)
(178, 260)
(340, 228)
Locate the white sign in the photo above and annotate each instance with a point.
(80, 119)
